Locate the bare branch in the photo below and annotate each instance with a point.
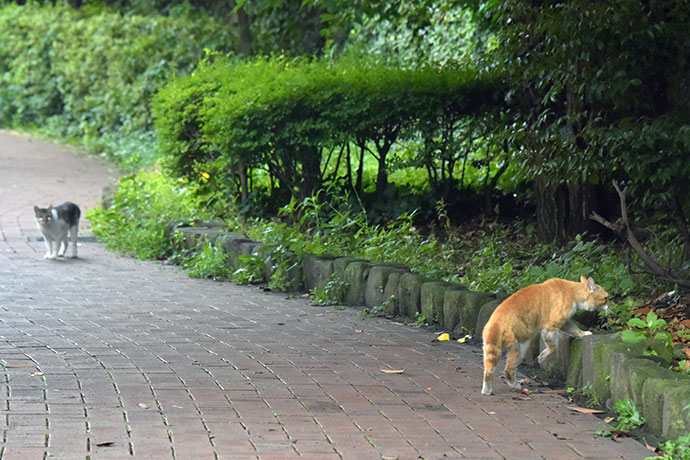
(622, 228)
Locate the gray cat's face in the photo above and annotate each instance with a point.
(43, 215)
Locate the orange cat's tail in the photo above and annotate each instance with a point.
(492, 352)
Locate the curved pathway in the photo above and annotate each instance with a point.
(105, 357)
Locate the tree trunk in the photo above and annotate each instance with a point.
(551, 211)
(311, 172)
(244, 188)
(244, 46)
(580, 205)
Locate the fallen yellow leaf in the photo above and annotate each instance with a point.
(443, 337)
(584, 410)
(392, 371)
(463, 339)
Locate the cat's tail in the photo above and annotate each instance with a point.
(492, 352)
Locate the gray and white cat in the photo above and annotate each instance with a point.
(55, 223)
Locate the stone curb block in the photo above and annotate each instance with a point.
(409, 294)
(355, 277)
(431, 299)
(375, 290)
(318, 271)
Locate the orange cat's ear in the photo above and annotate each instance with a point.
(583, 280)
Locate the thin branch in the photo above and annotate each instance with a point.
(622, 228)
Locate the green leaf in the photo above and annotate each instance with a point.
(651, 317)
(637, 322)
(632, 336)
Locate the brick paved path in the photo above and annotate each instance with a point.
(105, 357)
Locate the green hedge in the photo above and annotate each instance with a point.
(89, 74)
(308, 122)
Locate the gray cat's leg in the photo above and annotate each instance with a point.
(52, 246)
(49, 250)
(73, 231)
(62, 246)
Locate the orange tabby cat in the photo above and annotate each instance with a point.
(544, 307)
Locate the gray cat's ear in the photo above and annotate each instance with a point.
(50, 208)
(591, 285)
(35, 209)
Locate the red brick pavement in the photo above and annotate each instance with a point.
(105, 357)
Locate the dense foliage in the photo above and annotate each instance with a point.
(89, 74)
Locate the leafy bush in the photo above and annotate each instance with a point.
(209, 262)
(493, 266)
(89, 74)
(145, 206)
(676, 449)
(309, 122)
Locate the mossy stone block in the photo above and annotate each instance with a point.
(619, 383)
(676, 418)
(461, 308)
(390, 305)
(317, 270)
(355, 277)
(231, 246)
(451, 309)
(574, 375)
(483, 317)
(653, 397)
(600, 366)
(374, 293)
(589, 343)
(409, 294)
(200, 235)
(250, 248)
(639, 370)
(431, 299)
(341, 263)
(628, 374)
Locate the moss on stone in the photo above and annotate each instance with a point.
(574, 375)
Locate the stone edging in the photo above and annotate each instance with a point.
(613, 369)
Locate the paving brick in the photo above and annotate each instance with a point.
(226, 370)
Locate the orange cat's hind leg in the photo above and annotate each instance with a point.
(513, 359)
